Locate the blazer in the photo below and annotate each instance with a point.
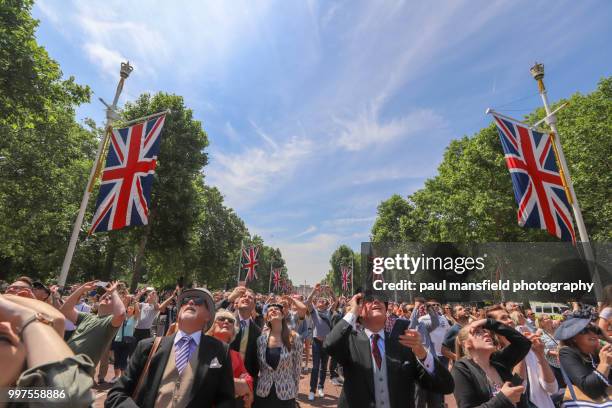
(351, 348)
(471, 384)
(286, 377)
(212, 386)
(581, 372)
(251, 361)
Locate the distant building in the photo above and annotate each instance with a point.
(303, 289)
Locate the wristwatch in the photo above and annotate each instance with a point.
(37, 317)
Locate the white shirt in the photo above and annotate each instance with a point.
(437, 336)
(539, 390)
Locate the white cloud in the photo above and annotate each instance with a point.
(245, 176)
(349, 221)
(367, 129)
(309, 261)
(109, 60)
(307, 231)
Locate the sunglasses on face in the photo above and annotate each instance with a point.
(224, 319)
(197, 300)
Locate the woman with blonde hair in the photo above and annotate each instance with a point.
(483, 373)
(225, 328)
(279, 350)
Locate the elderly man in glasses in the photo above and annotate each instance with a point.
(186, 369)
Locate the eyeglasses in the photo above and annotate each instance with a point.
(224, 319)
(197, 300)
(479, 332)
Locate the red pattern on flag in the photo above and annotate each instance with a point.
(250, 254)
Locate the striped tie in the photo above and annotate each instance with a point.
(184, 347)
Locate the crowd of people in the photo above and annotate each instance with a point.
(192, 347)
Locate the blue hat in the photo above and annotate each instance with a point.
(574, 324)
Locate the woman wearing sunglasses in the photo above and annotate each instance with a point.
(483, 373)
(583, 359)
(225, 328)
(279, 350)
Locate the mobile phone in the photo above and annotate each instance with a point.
(399, 328)
(242, 283)
(102, 284)
(516, 380)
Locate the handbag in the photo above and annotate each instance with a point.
(575, 398)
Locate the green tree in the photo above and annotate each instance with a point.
(344, 256)
(46, 153)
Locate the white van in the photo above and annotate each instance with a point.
(549, 308)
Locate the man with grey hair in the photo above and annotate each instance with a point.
(186, 369)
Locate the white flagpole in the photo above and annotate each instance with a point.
(240, 263)
(270, 280)
(111, 115)
(537, 71)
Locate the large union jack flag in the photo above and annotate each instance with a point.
(125, 190)
(250, 262)
(538, 187)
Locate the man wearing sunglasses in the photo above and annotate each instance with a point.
(381, 370)
(187, 369)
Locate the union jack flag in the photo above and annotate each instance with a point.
(538, 187)
(276, 277)
(346, 276)
(125, 191)
(249, 256)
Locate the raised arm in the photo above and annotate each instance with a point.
(42, 307)
(165, 303)
(117, 305)
(68, 309)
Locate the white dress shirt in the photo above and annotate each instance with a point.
(196, 336)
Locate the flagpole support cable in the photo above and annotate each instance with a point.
(124, 73)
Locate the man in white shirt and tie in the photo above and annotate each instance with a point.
(381, 371)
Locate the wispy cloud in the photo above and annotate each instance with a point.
(307, 231)
(368, 129)
(245, 176)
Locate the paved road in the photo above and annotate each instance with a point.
(330, 400)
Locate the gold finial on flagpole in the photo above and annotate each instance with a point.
(537, 71)
(126, 69)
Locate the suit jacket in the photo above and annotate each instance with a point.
(351, 348)
(251, 361)
(211, 385)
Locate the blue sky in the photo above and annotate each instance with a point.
(318, 111)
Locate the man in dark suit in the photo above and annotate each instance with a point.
(380, 371)
(242, 302)
(188, 369)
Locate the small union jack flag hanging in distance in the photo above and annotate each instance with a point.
(250, 262)
(346, 276)
(125, 191)
(538, 187)
(276, 277)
